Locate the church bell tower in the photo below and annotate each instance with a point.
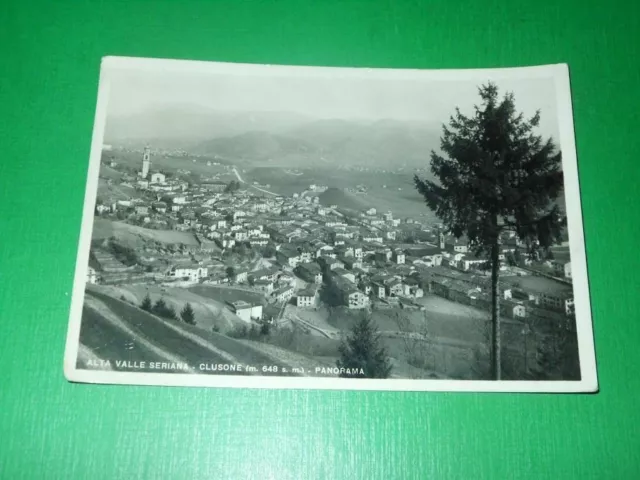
(145, 163)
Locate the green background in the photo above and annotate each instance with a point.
(48, 83)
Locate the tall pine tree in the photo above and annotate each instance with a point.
(362, 350)
(496, 174)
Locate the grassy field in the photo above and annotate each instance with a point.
(277, 180)
(105, 341)
(170, 339)
(109, 173)
(209, 313)
(443, 319)
(131, 234)
(342, 199)
(225, 294)
(170, 163)
(456, 347)
(386, 191)
(402, 203)
(457, 336)
(116, 192)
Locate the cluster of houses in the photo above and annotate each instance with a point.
(365, 256)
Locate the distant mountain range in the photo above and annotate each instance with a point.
(194, 124)
(280, 138)
(254, 146)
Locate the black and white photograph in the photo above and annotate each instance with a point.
(270, 226)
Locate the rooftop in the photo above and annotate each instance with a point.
(328, 260)
(239, 304)
(307, 292)
(341, 271)
(285, 252)
(264, 271)
(423, 251)
(310, 267)
(284, 289)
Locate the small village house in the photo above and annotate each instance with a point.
(398, 257)
(241, 276)
(307, 297)
(309, 272)
(283, 294)
(355, 299)
(194, 273)
(265, 286)
(379, 290)
(245, 310)
(288, 257)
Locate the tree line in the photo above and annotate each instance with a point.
(162, 309)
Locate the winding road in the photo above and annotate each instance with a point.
(241, 180)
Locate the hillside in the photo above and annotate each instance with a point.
(132, 235)
(331, 142)
(178, 126)
(114, 192)
(375, 144)
(208, 312)
(282, 138)
(115, 329)
(109, 173)
(255, 145)
(336, 196)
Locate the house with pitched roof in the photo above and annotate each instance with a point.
(288, 257)
(307, 297)
(309, 272)
(283, 294)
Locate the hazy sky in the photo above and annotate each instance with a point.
(347, 98)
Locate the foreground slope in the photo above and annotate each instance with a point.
(115, 330)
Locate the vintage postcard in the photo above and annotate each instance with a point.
(332, 228)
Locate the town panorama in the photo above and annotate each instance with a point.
(199, 264)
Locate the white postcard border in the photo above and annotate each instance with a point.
(559, 72)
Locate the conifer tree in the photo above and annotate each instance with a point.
(496, 174)
(330, 294)
(163, 310)
(362, 350)
(187, 315)
(146, 304)
(231, 273)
